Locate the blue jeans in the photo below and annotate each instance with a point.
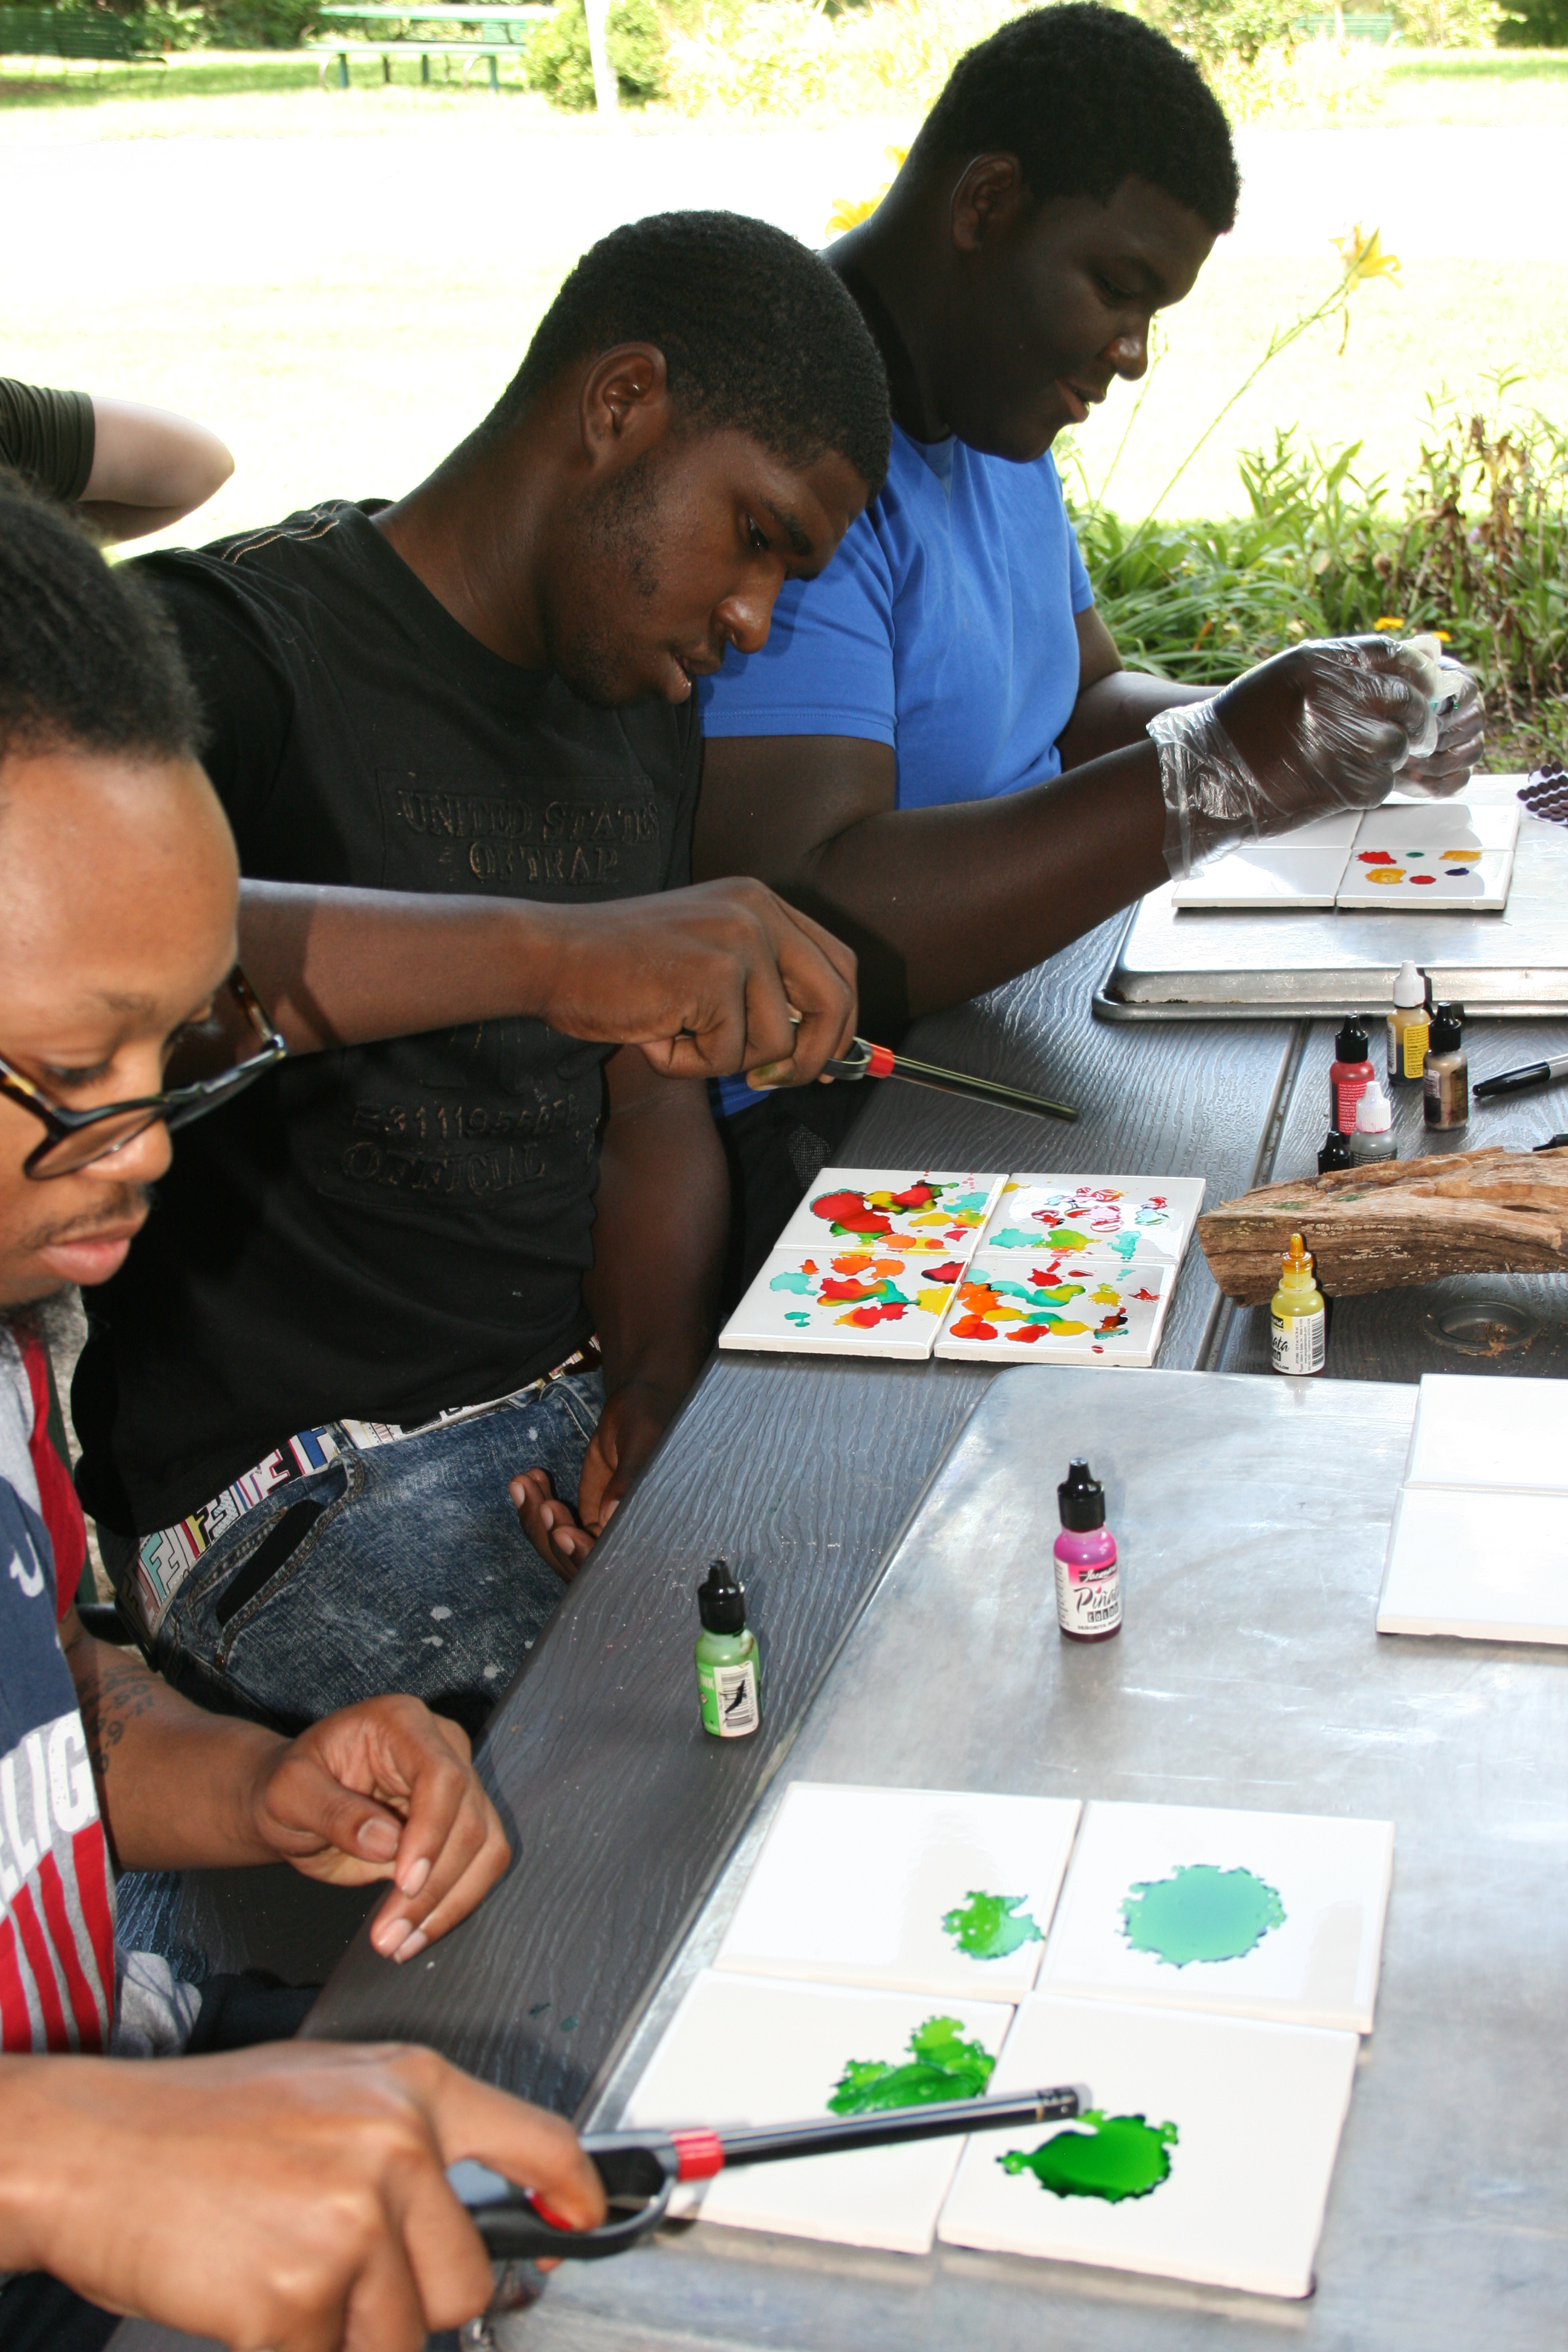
(410, 1574)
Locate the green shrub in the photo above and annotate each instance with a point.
(1478, 548)
(561, 65)
(1534, 25)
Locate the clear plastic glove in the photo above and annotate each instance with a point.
(1327, 726)
(1461, 737)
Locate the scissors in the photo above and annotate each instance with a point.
(865, 1060)
(641, 2168)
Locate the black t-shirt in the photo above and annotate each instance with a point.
(49, 436)
(389, 1230)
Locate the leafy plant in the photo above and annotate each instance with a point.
(560, 64)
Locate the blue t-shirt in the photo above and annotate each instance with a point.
(943, 627)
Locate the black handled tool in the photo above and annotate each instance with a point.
(1516, 1082)
(867, 1061)
(640, 2168)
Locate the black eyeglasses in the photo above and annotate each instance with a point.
(211, 1051)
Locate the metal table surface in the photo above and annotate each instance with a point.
(1173, 964)
(1252, 1517)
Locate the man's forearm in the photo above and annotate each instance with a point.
(1114, 711)
(660, 1229)
(943, 903)
(173, 1780)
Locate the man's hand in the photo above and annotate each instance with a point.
(629, 1427)
(384, 1790)
(705, 980)
(291, 2197)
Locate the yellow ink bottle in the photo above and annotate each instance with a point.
(1297, 1315)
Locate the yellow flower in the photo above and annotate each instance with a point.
(847, 214)
(1442, 636)
(1388, 621)
(1363, 256)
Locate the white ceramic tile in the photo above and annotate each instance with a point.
(1488, 1566)
(939, 1212)
(1432, 826)
(844, 1301)
(1059, 1307)
(1255, 2112)
(752, 2049)
(1472, 1430)
(1338, 829)
(1477, 887)
(1267, 874)
(1290, 1905)
(1124, 1217)
(923, 1890)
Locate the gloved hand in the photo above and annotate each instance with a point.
(1461, 735)
(1327, 726)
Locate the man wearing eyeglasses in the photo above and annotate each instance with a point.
(457, 739)
(289, 2193)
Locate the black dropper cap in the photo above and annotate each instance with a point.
(1447, 1034)
(1080, 1500)
(721, 1601)
(1350, 1045)
(1335, 1153)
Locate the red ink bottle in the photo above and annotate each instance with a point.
(1088, 1579)
(1349, 1075)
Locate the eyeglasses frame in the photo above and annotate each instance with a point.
(175, 1107)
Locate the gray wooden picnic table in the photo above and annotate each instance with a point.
(621, 1814)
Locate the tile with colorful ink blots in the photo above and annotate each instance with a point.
(1057, 1306)
(1473, 884)
(1124, 1218)
(845, 1299)
(759, 2050)
(938, 1216)
(917, 1890)
(1199, 1907)
(1206, 2153)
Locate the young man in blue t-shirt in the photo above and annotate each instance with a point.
(893, 759)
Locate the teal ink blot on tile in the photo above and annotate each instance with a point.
(985, 1927)
(940, 2065)
(1117, 2158)
(1200, 1913)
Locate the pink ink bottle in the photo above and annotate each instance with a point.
(1089, 1581)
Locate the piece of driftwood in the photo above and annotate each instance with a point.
(1397, 1221)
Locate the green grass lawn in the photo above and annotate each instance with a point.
(341, 282)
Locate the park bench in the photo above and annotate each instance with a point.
(1344, 26)
(67, 33)
(501, 31)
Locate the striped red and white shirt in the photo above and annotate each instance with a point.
(57, 1892)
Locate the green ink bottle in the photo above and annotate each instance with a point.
(728, 1680)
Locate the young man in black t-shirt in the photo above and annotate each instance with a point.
(374, 1289)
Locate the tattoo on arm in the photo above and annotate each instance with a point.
(112, 1690)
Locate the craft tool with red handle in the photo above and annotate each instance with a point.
(865, 1060)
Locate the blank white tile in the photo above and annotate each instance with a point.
(1266, 874)
(852, 1887)
(1338, 829)
(948, 1226)
(1488, 1567)
(752, 2049)
(1472, 1431)
(846, 1300)
(1433, 826)
(1258, 2110)
(1057, 1308)
(1319, 1966)
(1125, 1217)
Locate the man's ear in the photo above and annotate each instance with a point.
(987, 199)
(623, 408)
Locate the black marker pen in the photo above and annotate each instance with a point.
(1519, 1082)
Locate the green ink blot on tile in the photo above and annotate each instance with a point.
(1117, 2157)
(940, 2065)
(1200, 1913)
(985, 1928)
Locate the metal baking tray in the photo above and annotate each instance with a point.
(1204, 966)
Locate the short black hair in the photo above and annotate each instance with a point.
(1083, 96)
(758, 335)
(88, 660)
